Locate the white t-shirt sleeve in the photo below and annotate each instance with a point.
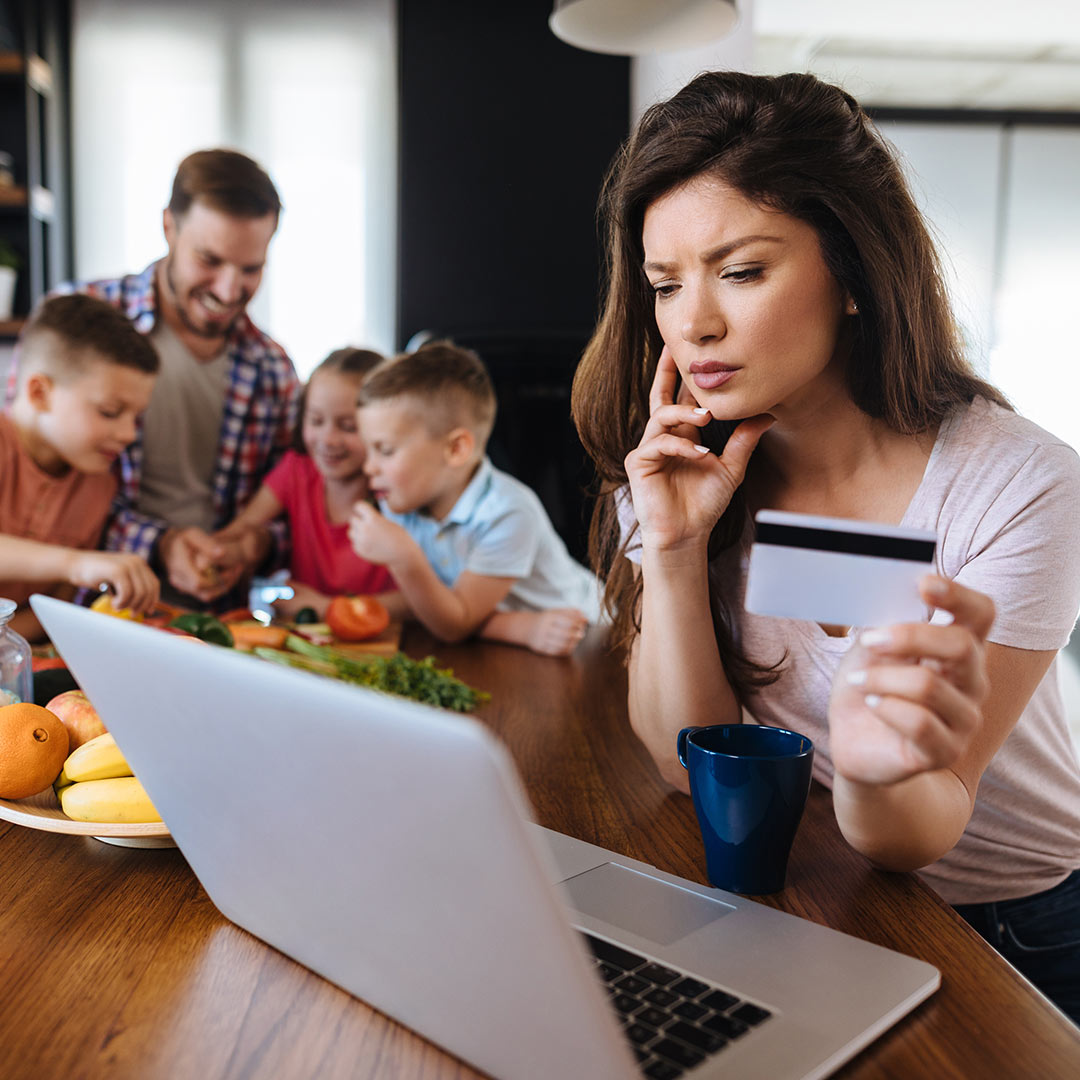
(507, 547)
(1025, 552)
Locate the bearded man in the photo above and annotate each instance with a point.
(224, 405)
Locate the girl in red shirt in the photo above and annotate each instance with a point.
(316, 484)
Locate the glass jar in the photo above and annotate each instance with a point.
(16, 665)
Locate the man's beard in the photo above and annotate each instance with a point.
(210, 332)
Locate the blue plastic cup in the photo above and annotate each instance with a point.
(749, 785)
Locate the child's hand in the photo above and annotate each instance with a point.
(303, 596)
(907, 698)
(557, 631)
(192, 560)
(133, 583)
(373, 537)
(243, 547)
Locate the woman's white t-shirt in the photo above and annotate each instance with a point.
(1003, 497)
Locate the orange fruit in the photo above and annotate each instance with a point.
(33, 748)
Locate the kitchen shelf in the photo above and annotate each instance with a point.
(34, 131)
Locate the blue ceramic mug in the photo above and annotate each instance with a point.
(749, 785)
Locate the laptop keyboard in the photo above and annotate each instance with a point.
(674, 1022)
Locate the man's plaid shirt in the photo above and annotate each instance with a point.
(257, 424)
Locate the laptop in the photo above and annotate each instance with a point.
(387, 846)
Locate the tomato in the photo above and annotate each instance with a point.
(357, 618)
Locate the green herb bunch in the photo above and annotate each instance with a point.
(419, 680)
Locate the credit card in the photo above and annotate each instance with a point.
(837, 571)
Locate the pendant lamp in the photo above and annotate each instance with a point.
(635, 27)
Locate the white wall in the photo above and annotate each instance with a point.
(306, 87)
(1004, 205)
(1035, 355)
(955, 175)
(658, 76)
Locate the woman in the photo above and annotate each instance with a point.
(776, 334)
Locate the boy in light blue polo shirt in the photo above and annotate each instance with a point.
(471, 548)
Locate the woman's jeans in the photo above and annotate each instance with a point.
(1040, 936)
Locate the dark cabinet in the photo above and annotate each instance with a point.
(35, 230)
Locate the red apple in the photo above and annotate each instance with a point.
(78, 716)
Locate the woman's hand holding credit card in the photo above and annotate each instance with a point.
(907, 699)
(907, 696)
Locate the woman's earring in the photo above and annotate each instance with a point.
(852, 307)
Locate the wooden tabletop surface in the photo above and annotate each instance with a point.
(114, 963)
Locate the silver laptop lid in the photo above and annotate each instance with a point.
(379, 842)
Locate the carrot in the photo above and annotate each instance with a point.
(250, 635)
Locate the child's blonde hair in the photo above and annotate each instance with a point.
(450, 381)
(346, 361)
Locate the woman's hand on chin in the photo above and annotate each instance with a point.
(679, 488)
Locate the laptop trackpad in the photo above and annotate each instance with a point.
(643, 905)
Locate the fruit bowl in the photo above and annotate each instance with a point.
(42, 811)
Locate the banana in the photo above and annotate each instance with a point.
(117, 799)
(61, 782)
(98, 759)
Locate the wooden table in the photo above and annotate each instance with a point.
(114, 963)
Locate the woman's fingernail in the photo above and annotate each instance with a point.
(701, 412)
(701, 449)
(856, 678)
(875, 637)
(872, 700)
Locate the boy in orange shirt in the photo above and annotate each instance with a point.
(85, 374)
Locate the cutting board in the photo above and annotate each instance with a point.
(386, 644)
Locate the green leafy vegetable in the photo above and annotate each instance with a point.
(205, 627)
(419, 680)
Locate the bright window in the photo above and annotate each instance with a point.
(307, 89)
(1002, 203)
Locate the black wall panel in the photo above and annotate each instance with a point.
(505, 136)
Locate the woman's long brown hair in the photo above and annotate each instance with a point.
(805, 148)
